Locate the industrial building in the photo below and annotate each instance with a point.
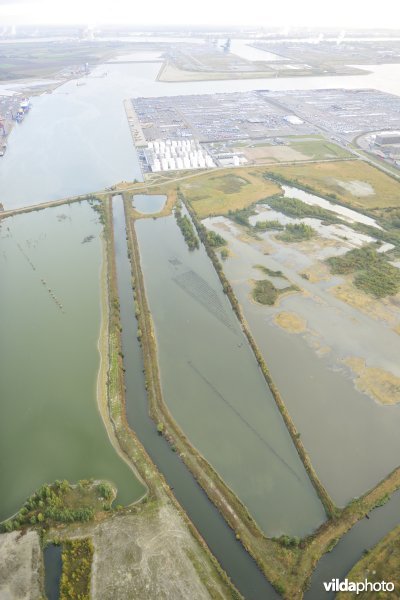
(387, 137)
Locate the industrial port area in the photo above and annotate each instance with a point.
(335, 51)
(13, 109)
(208, 130)
(345, 112)
(201, 128)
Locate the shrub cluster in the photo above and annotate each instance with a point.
(296, 232)
(77, 557)
(373, 273)
(185, 225)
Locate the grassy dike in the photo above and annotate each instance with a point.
(288, 564)
(213, 577)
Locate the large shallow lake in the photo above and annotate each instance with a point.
(50, 426)
(214, 387)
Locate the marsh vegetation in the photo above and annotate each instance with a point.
(372, 272)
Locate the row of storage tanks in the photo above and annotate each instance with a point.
(171, 155)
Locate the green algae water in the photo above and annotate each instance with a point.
(50, 426)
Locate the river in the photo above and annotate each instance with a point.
(76, 140)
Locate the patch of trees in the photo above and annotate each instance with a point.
(58, 503)
(241, 216)
(372, 272)
(77, 557)
(296, 232)
(187, 229)
(215, 240)
(269, 225)
(264, 292)
(98, 206)
(292, 207)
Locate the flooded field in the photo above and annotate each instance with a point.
(214, 387)
(308, 340)
(342, 211)
(50, 304)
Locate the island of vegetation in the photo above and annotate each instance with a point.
(296, 232)
(264, 291)
(292, 207)
(77, 556)
(187, 229)
(372, 272)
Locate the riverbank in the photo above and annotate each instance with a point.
(171, 73)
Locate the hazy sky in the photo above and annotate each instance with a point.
(282, 13)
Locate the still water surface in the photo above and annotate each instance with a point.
(52, 571)
(352, 440)
(149, 204)
(214, 387)
(50, 426)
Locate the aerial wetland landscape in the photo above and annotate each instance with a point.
(200, 332)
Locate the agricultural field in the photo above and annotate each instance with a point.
(297, 149)
(352, 182)
(217, 193)
(46, 59)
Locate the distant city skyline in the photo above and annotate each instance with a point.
(287, 14)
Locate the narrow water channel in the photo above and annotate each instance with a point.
(239, 566)
(52, 570)
(363, 536)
